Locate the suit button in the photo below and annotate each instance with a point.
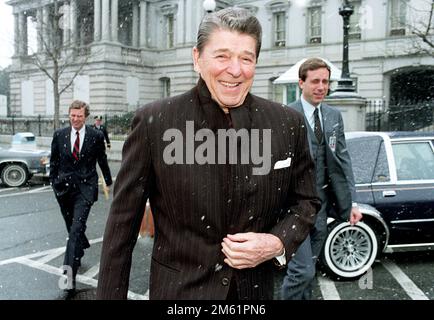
(225, 281)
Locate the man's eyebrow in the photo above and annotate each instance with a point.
(224, 50)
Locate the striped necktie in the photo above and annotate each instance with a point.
(317, 128)
(76, 151)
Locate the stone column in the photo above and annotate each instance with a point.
(23, 33)
(97, 21)
(143, 23)
(180, 23)
(17, 35)
(39, 29)
(189, 21)
(115, 22)
(105, 17)
(135, 26)
(65, 24)
(73, 22)
(352, 108)
(46, 27)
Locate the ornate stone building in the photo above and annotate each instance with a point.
(140, 50)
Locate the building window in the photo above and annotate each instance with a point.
(167, 18)
(165, 87)
(314, 15)
(355, 32)
(170, 34)
(398, 12)
(276, 91)
(279, 29)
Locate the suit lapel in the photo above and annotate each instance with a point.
(310, 135)
(87, 137)
(68, 141)
(328, 123)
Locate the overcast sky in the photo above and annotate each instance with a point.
(6, 34)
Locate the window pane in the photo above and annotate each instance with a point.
(364, 154)
(279, 29)
(291, 92)
(398, 12)
(381, 173)
(414, 160)
(170, 31)
(354, 31)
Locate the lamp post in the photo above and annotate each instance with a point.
(209, 5)
(345, 97)
(345, 84)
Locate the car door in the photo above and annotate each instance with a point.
(407, 202)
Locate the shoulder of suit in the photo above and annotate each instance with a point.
(61, 131)
(329, 108)
(168, 104)
(281, 111)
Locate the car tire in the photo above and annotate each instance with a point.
(349, 250)
(14, 175)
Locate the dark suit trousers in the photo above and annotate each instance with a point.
(75, 210)
(300, 274)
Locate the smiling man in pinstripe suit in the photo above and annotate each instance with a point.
(219, 227)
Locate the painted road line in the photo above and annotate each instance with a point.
(92, 272)
(404, 281)
(328, 289)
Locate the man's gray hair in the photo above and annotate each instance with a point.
(232, 19)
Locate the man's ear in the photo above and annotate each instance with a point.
(300, 83)
(196, 59)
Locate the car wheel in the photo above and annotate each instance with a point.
(349, 250)
(14, 175)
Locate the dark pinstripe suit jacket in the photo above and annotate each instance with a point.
(195, 206)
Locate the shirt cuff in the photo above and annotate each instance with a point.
(281, 260)
(354, 204)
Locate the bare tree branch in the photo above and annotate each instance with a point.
(56, 58)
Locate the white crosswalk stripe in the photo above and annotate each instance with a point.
(404, 281)
(328, 288)
(39, 260)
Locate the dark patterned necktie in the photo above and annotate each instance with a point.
(317, 128)
(76, 150)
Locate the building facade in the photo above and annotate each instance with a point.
(128, 53)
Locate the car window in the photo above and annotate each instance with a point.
(363, 153)
(414, 160)
(381, 173)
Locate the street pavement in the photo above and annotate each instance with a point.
(33, 239)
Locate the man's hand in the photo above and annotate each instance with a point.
(247, 250)
(106, 190)
(355, 215)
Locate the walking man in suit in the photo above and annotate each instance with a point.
(223, 213)
(334, 175)
(74, 153)
(99, 126)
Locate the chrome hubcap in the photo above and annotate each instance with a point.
(351, 248)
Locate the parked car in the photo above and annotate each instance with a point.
(18, 166)
(24, 141)
(394, 175)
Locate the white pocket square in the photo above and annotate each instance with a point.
(282, 164)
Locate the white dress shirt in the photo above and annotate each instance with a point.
(308, 112)
(82, 132)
